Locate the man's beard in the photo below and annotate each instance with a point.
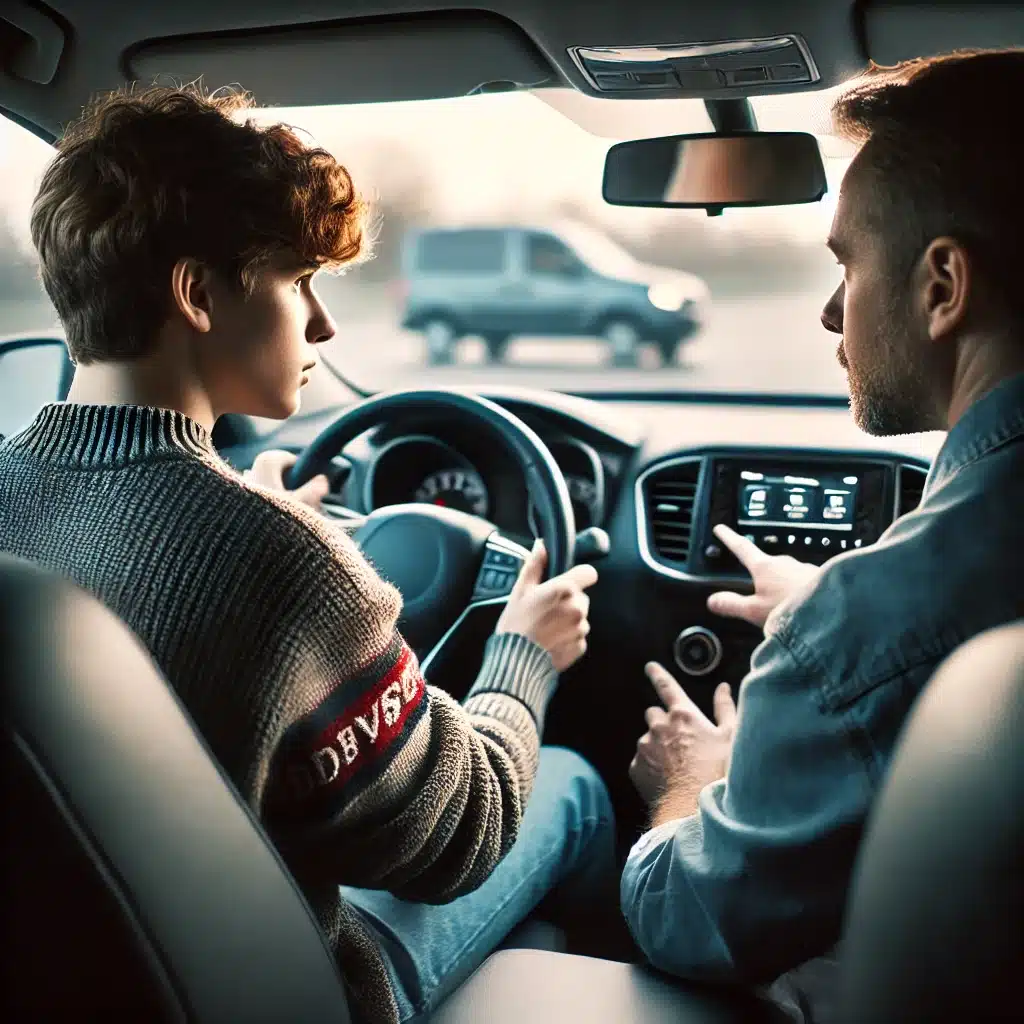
(891, 397)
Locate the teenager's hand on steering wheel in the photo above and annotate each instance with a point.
(775, 578)
(553, 614)
(268, 471)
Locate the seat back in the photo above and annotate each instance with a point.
(935, 924)
(136, 884)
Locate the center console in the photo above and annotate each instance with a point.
(811, 506)
(808, 507)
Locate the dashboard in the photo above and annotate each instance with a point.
(660, 498)
(423, 467)
(812, 506)
(657, 474)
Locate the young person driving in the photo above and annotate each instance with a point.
(180, 244)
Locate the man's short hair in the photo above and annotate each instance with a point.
(145, 178)
(943, 150)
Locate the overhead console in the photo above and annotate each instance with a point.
(712, 70)
(812, 507)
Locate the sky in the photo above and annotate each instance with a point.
(496, 157)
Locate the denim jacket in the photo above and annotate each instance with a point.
(754, 884)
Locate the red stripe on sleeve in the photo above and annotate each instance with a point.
(360, 734)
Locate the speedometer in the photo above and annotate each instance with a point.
(460, 489)
(584, 497)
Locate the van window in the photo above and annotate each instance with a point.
(547, 255)
(462, 252)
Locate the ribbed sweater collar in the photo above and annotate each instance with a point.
(109, 435)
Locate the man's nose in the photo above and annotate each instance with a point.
(832, 314)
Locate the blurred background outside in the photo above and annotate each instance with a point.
(514, 160)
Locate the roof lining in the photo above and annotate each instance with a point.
(105, 41)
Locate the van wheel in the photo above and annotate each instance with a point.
(497, 346)
(441, 338)
(669, 350)
(624, 340)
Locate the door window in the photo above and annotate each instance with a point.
(30, 376)
(462, 252)
(547, 256)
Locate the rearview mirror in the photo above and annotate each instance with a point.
(716, 171)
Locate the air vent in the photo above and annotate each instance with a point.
(670, 496)
(910, 487)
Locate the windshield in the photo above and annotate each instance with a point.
(676, 300)
(497, 261)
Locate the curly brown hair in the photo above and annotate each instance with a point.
(943, 150)
(147, 177)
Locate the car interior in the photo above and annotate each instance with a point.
(120, 824)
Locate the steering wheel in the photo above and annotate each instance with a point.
(444, 561)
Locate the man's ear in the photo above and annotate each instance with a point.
(946, 286)
(192, 293)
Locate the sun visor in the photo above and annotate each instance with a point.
(401, 58)
(895, 31)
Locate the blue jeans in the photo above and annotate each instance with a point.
(567, 839)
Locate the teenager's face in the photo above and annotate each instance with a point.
(262, 347)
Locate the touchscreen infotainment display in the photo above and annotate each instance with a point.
(824, 501)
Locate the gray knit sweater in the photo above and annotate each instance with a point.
(281, 641)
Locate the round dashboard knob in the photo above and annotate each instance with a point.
(697, 651)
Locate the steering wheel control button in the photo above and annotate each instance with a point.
(496, 558)
(494, 583)
(697, 651)
(499, 570)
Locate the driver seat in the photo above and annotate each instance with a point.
(137, 884)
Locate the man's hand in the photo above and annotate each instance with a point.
(775, 578)
(268, 471)
(682, 750)
(552, 614)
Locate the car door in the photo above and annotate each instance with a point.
(554, 282)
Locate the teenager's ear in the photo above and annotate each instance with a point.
(192, 293)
